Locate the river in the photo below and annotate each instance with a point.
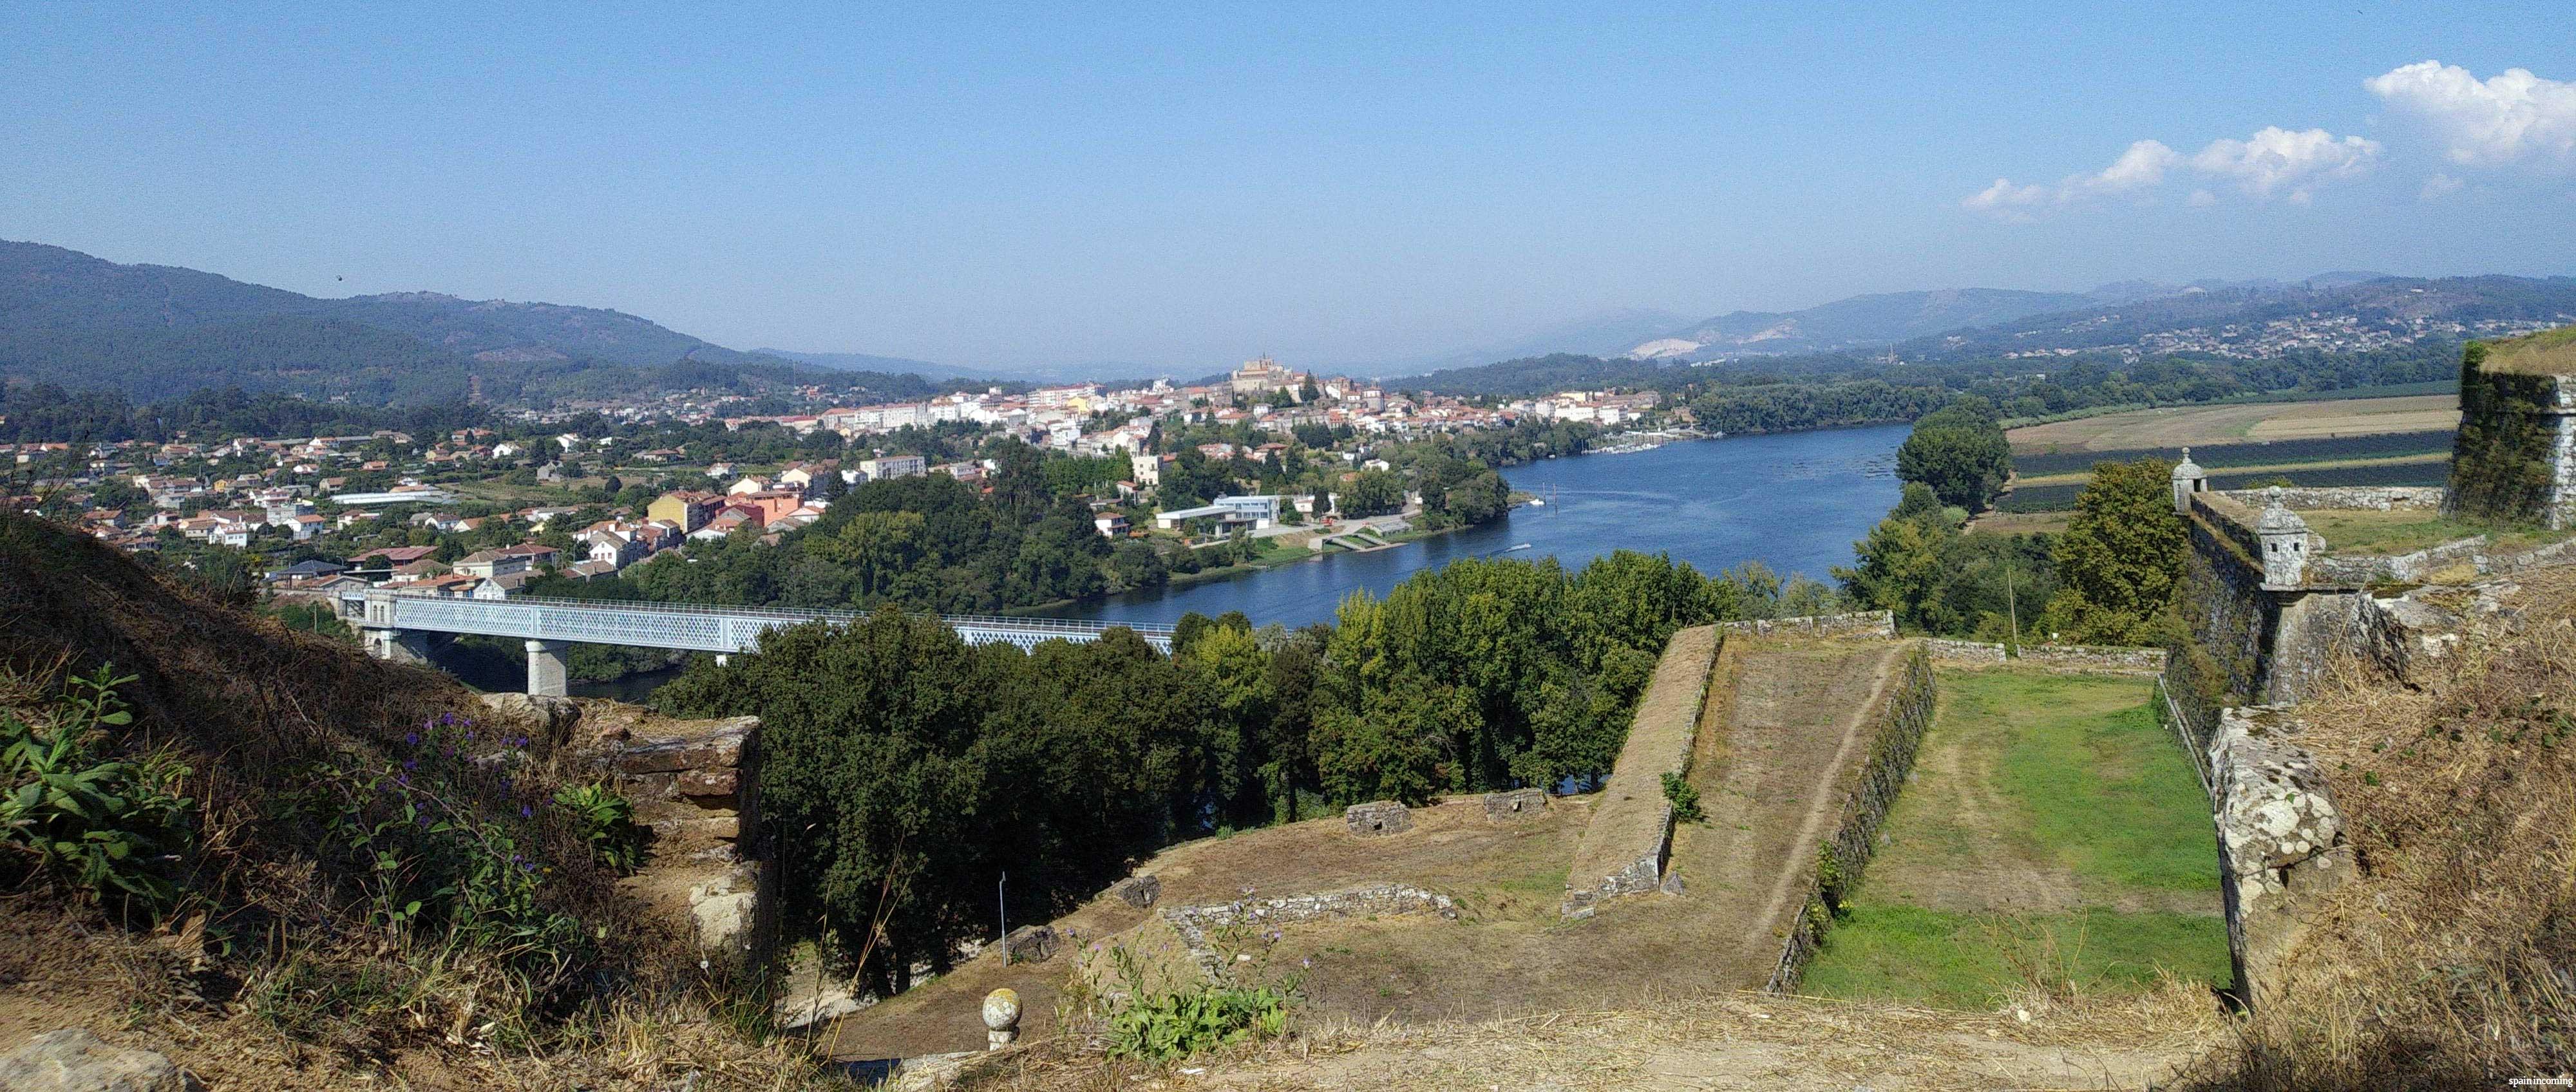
(1794, 501)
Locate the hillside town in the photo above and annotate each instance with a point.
(587, 490)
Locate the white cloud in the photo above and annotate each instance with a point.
(2006, 200)
(2141, 167)
(2203, 198)
(2279, 162)
(2440, 186)
(2510, 118)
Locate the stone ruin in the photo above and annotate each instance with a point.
(1031, 944)
(1518, 804)
(1377, 817)
(1195, 923)
(686, 781)
(2281, 842)
(1138, 891)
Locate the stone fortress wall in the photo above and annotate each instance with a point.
(1904, 712)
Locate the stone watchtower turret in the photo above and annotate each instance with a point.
(2285, 543)
(2188, 478)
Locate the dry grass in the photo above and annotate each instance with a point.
(2446, 962)
(2160, 428)
(268, 977)
(2551, 352)
(1683, 1041)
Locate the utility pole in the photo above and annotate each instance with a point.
(2012, 611)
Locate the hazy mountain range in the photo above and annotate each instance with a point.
(154, 331)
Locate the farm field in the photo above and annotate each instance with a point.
(2055, 835)
(2284, 469)
(2171, 427)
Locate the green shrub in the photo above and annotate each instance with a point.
(112, 828)
(606, 820)
(1684, 797)
(1168, 1026)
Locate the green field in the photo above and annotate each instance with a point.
(1975, 960)
(2054, 836)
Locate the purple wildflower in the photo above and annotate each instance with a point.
(411, 764)
(411, 739)
(526, 812)
(402, 779)
(447, 718)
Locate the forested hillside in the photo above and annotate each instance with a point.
(153, 332)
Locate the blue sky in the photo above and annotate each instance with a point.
(1187, 186)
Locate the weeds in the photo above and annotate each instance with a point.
(433, 866)
(1175, 1024)
(606, 820)
(111, 828)
(1163, 1027)
(1684, 797)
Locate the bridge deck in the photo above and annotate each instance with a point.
(679, 626)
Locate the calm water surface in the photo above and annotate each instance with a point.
(1796, 502)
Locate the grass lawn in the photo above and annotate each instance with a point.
(2054, 831)
(2112, 798)
(2059, 772)
(1975, 960)
(2368, 532)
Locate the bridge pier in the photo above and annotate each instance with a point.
(402, 646)
(547, 675)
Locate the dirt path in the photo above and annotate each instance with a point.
(1794, 720)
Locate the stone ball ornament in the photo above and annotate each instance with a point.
(1001, 1017)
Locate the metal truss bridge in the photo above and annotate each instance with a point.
(548, 624)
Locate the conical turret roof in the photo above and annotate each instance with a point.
(2277, 517)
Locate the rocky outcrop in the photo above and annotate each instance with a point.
(2281, 841)
(73, 1060)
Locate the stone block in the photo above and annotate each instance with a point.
(553, 717)
(708, 783)
(1138, 891)
(1378, 817)
(1505, 807)
(73, 1060)
(725, 909)
(1031, 944)
(720, 749)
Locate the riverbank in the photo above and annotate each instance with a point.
(1794, 502)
